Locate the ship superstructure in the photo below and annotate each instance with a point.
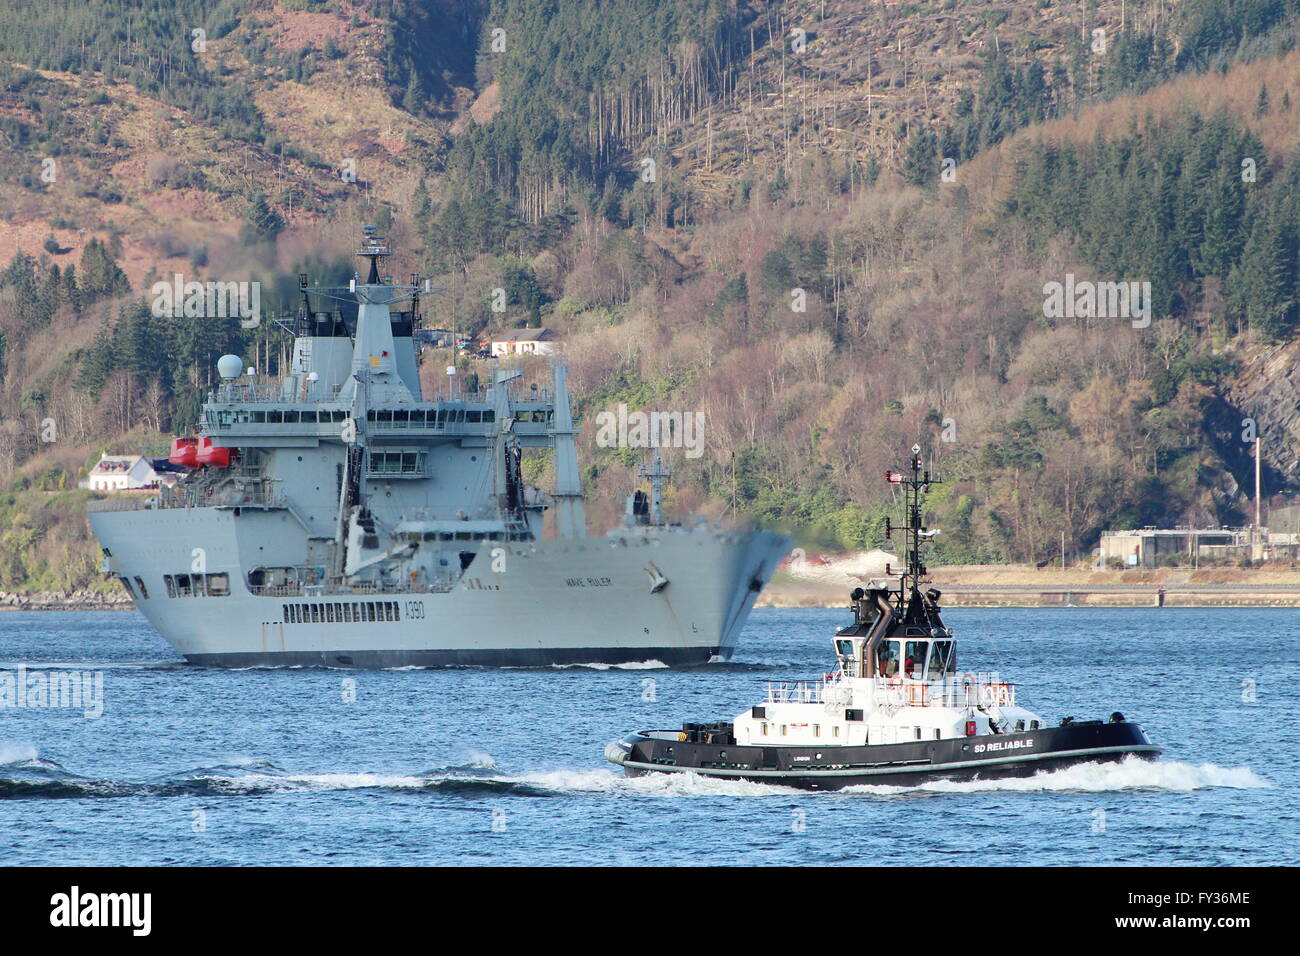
(338, 515)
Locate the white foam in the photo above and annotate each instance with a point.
(16, 753)
(327, 781)
(680, 784)
(1130, 774)
(629, 666)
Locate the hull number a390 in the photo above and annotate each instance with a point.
(415, 610)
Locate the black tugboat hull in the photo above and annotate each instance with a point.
(988, 757)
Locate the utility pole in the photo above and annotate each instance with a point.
(1258, 535)
(1258, 523)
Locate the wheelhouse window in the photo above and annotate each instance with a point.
(943, 660)
(887, 655)
(914, 659)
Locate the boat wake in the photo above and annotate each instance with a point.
(24, 775)
(650, 665)
(1129, 774)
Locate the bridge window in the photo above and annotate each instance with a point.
(943, 660)
(887, 658)
(914, 659)
(396, 463)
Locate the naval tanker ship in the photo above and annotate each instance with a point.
(338, 516)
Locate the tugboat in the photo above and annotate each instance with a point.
(896, 711)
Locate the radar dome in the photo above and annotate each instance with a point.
(229, 366)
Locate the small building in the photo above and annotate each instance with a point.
(439, 338)
(1146, 548)
(523, 342)
(125, 473)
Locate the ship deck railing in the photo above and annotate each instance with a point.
(195, 498)
(317, 591)
(984, 689)
(228, 497)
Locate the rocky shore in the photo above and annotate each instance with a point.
(82, 599)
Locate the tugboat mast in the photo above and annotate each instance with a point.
(914, 488)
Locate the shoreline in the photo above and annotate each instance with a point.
(967, 586)
(81, 600)
(1012, 586)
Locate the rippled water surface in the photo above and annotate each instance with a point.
(466, 766)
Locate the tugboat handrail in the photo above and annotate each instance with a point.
(982, 689)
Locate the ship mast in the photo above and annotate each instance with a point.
(656, 473)
(915, 487)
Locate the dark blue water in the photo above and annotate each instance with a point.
(466, 766)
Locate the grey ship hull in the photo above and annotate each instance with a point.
(556, 602)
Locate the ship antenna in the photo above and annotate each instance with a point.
(914, 489)
(374, 248)
(656, 474)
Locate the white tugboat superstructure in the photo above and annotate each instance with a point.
(897, 710)
(337, 515)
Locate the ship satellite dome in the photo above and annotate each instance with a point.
(251, 370)
(313, 377)
(229, 366)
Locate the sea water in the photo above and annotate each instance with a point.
(188, 765)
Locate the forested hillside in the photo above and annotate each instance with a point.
(826, 225)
